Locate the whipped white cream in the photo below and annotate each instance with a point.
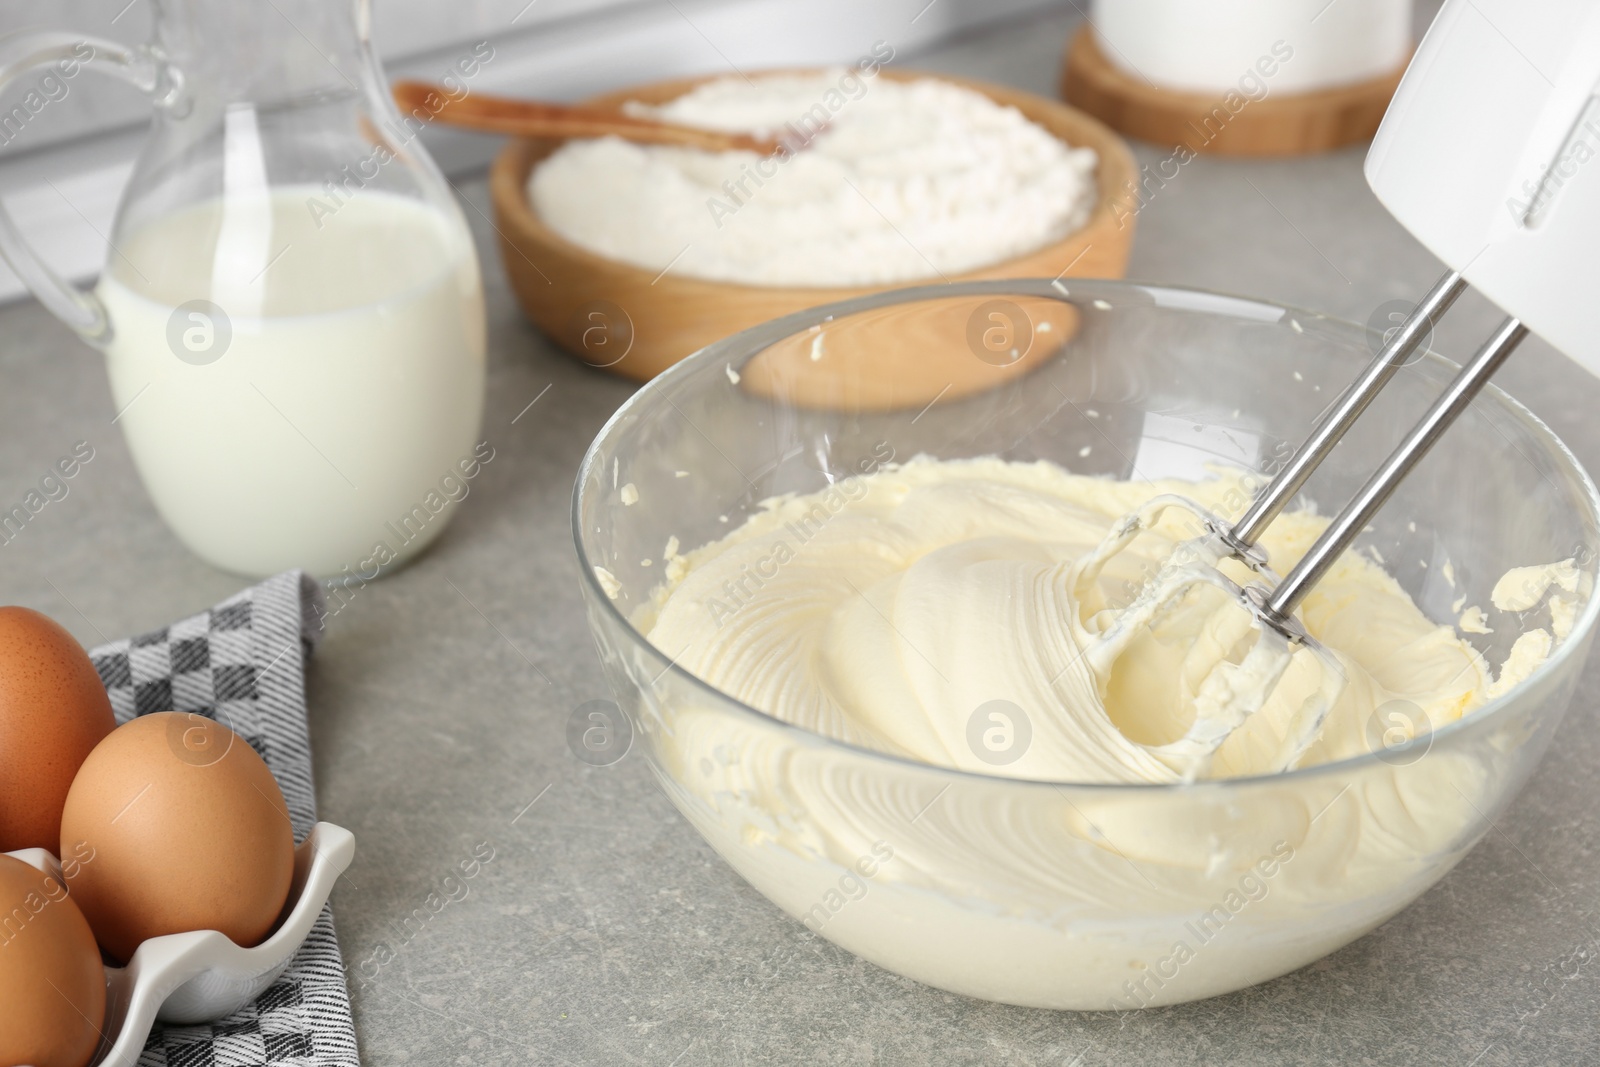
(892, 609)
(899, 603)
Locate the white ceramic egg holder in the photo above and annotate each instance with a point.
(202, 976)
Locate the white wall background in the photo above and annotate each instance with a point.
(62, 176)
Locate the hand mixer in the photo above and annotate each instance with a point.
(1488, 155)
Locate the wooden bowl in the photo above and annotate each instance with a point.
(1288, 124)
(636, 323)
(912, 355)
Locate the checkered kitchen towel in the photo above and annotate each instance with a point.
(243, 663)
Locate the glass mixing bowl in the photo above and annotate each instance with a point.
(1062, 894)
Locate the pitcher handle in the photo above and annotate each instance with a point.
(20, 54)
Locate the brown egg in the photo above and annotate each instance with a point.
(188, 830)
(52, 985)
(53, 711)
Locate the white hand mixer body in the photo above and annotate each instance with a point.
(1482, 156)
(1488, 155)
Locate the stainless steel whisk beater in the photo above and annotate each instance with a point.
(1236, 688)
(1275, 607)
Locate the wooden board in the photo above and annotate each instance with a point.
(1226, 123)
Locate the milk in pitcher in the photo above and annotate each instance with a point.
(321, 414)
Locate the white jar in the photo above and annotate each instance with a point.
(1206, 46)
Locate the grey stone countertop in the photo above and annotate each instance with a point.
(605, 931)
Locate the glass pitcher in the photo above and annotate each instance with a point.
(291, 310)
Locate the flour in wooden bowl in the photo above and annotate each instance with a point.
(893, 181)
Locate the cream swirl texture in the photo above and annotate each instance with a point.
(889, 609)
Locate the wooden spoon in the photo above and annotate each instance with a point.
(530, 118)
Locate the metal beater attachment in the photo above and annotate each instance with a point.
(1281, 601)
(1240, 686)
